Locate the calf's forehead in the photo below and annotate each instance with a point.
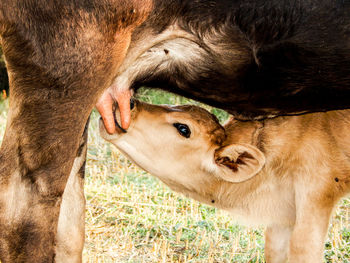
(195, 116)
(207, 123)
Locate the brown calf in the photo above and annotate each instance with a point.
(286, 173)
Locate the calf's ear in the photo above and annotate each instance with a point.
(238, 162)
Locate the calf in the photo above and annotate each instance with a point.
(286, 173)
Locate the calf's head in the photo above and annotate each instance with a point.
(183, 145)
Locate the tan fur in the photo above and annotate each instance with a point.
(296, 168)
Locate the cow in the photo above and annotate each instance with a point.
(60, 56)
(64, 56)
(286, 173)
(253, 58)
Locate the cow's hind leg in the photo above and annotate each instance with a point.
(42, 137)
(71, 221)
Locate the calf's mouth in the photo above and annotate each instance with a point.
(117, 114)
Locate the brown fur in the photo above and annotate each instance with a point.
(57, 53)
(286, 173)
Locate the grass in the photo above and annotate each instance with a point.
(132, 217)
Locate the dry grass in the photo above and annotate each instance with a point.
(132, 217)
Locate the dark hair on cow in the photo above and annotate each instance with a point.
(265, 58)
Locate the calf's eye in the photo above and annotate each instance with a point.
(183, 129)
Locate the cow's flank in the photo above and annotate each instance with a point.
(253, 58)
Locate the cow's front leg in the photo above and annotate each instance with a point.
(71, 222)
(276, 243)
(36, 158)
